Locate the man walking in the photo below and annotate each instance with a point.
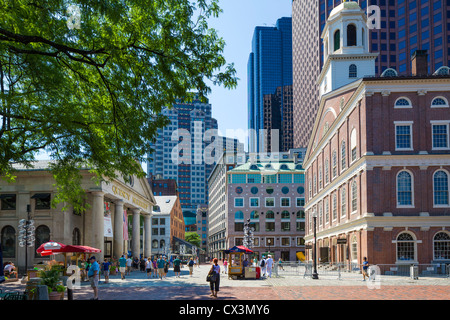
(160, 263)
(262, 264)
(93, 275)
(122, 266)
(365, 266)
(176, 267)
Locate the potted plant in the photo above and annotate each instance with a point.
(51, 278)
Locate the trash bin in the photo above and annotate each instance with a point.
(414, 272)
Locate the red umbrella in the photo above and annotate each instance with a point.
(50, 247)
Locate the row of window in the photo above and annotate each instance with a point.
(271, 226)
(270, 190)
(407, 246)
(268, 202)
(42, 201)
(405, 189)
(270, 215)
(437, 102)
(439, 135)
(266, 178)
(270, 242)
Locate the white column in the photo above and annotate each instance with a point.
(148, 235)
(98, 224)
(136, 242)
(118, 229)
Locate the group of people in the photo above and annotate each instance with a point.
(266, 265)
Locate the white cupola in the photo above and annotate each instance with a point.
(345, 48)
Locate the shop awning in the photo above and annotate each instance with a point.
(238, 249)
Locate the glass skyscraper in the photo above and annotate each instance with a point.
(269, 67)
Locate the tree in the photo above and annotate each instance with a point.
(193, 237)
(87, 83)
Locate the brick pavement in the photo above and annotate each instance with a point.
(138, 287)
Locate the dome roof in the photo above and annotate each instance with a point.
(349, 5)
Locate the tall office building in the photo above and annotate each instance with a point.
(405, 26)
(181, 148)
(269, 67)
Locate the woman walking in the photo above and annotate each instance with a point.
(215, 282)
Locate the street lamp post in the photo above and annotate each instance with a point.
(315, 274)
(26, 235)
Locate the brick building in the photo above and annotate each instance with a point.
(378, 169)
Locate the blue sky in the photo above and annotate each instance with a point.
(236, 25)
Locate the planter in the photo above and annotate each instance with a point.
(55, 295)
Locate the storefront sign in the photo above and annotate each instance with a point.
(129, 197)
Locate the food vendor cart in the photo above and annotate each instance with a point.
(236, 261)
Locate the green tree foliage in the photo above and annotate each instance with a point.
(91, 96)
(193, 237)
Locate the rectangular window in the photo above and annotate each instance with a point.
(238, 226)
(239, 202)
(299, 178)
(272, 178)
(253, 178)
(300, 202)
(285, 226)
(300, 226)
(270, 202)
(440, 136)
(285, 178)
(285, 202)
(238, 178)
(254, 202)
(285, 242)
(42, 201)
(403, 137)
(270, 226)
(8, 201)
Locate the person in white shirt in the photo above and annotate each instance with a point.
(269, 265)
(129, 262)
(262, 264)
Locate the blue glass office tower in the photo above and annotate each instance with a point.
(269, 67)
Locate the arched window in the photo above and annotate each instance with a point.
(239, 215)
(354, 196)
(301, 214)
(42, 236)
(343, 156)
(337, 40)
(270, 215)
(353, 71)
(76, 236)
(155, 244)
(334, 164)
(285, 214)
(162, 243)
(343, 202)
(441, 246)
(440, 188)
(354, 249)
(353, 144)
(334, 206)
(8, 242)
(404, 189)
(389, 72)
(254, 215)
(402, 103)
(405, 247)
(439, 102)
(351, 35)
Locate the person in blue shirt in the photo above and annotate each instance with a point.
(122, 266)
(365, 266)
(106, 264)
(160, 263)
(93, 275)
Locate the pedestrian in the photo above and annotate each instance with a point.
(148, 267)
(106, 264)
(191, 266)
(166, 267)
(214, 284)
(176, 267)
(155, 268)
(142, 264)
(160, 263)
(122, 266)
(225, 266)
(269, 266)
(94, 277)
(129, 262)
(197, 261)
(365, 267)
(262, 264)
(280, 264)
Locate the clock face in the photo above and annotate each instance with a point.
(239, 190)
